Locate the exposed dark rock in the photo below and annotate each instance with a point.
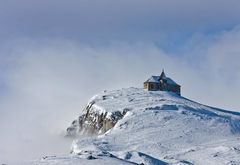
(92, 122)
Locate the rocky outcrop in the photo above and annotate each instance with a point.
(92, 121)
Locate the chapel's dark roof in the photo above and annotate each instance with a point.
(156, 79)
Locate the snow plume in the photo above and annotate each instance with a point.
(45, 83)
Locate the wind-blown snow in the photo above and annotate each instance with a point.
(158, 128)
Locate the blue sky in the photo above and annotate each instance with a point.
(166, 23)
(55, 55)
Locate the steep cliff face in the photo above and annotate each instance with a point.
(94, 122)
(95, 119)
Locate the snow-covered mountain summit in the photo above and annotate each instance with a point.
(134, 126)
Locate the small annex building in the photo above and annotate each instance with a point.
(162, 83)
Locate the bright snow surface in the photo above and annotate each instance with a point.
(159, 128)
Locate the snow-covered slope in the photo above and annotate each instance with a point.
(152, 128)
